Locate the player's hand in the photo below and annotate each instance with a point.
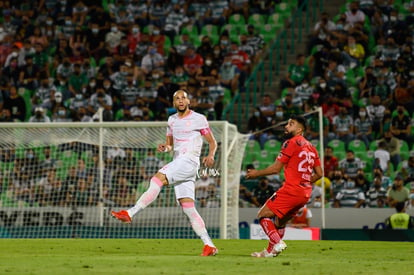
(251, 174)
(208, 161)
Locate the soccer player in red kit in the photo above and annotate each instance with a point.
(302, 167)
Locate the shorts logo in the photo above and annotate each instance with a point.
(210, 172)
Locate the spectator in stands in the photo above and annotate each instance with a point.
(304, 92)
(267, 108)
(241, 60)
(157, 13)
(192, 62)
(263, 191)
(254, 39)
(205, 104)
(376, 194)
(148, 94)
(201, 189)
(256, 123)
(78, 81)
(101, 100)
(80, 195)
(375, 112)
(361, 181)
(397, 193)
(301, 219)
(350, 165)
(113, 37)
(321, 31)
(95, 42)
(354, 53)
(382, 158)
(158, 39)
(122, 193)
(12, 72)
(152, 61)
(401, 126)
(367, 83)
(289, 107)
(39, 116)
(15, 103)
(343, 126)
(363, 127)
(334, 75)
(216, 92)
(296, 101)
(382, 89)
(331, 163)
(5, 115)
(392, 146)
(389, 53)
(407, 170)
(354, 14)
(385, 179)
(174, 60)
(229, 75)
(249, 49)
(61, 114)
(29, 74)
(245, 195)
(149, 165)
(51, 189)
(175, 21)
(296, 73)
(350, 196)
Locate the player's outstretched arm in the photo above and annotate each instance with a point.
(212, 147)
(167, 146)
(275, 168)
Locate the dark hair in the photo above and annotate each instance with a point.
(301, 120)
(399, 206)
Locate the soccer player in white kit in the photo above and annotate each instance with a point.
(185, 133)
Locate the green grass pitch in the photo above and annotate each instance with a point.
(181, 256)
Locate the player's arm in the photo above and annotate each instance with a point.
(167, 146)
(212, 147)
(318, 173)
(275, 168)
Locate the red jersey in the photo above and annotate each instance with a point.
(299, 157)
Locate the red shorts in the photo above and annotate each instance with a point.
(286, 204)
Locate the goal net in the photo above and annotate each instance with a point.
(61, 180)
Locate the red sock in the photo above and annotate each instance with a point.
(270, 230)
(281, 232)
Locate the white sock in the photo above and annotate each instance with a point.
(148, 197)
(197, 222)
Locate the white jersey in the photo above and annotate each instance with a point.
(187, 135)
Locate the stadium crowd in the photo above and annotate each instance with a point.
(358, 67)
(62, 60)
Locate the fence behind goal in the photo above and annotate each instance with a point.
(62, 180)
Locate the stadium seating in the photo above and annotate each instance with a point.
(357, 145)
(257, 20)
(237, 19)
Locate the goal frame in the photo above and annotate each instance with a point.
(229, 213)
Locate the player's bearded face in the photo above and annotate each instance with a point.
(288, 134)
(181, 102)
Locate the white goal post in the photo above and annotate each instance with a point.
(63, 179)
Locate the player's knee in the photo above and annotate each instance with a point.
(161, 177)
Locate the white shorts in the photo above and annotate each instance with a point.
(181, 173)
